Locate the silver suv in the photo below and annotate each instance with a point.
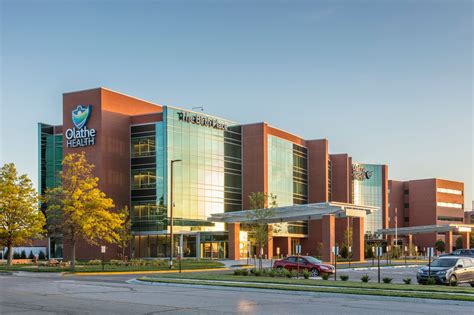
(447, 269)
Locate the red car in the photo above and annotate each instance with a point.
(313, 265)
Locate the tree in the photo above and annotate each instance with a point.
(262, 206)
(440, 246)
(124, 231)
(459, 242)
(23, 254)
(31, 255)
(78, 209)
(20, 217)
(346, 243)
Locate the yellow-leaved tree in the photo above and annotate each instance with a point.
(78, 209)
(20, 217)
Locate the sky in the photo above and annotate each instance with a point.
(386, 81)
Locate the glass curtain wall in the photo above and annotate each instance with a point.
(50, 157)
(367, 191)
(288, 180)
(50, 145)
(208, 179)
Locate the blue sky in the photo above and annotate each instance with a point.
(387, 81)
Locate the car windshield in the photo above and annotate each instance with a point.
(449, 262)
(312, 260)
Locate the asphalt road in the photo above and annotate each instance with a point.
(30, 293)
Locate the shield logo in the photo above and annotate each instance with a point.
(80, 116)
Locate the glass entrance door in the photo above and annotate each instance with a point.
(213, 250)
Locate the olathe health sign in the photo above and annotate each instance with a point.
(80, 135)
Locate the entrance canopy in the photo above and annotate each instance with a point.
(423, 229)
(310, 211)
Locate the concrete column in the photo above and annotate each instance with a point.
(466, 241)
(234, 240)
(269, 247)
(448, 241)
(181, 243)
(410, 244)
(198, 245)
(329, 238)
(358, 249)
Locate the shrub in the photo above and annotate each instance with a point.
(431, 281)
(23, 254)
(344, 277)
(31, 255)
(258, 273)
(440, 246)
(253, 270)
(365, 278)
(284, 273)
(325, 276)
(344, 251)
(387, 280)
(41, 255)
(306, 274)
(407, 280)
(459, 242)
(115, 262)
(16, 255)
(272, 273)
(94, 262)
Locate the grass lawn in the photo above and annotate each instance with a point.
(186, 265)
(394, 290)
(325, 283)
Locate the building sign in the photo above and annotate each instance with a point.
(80, 135)
(360, 173)
(201, 120)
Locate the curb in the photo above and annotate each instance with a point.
(111, 273)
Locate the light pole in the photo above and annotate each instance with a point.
(171, 213)
(396, 229)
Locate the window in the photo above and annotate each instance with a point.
(455, 219)
(291, 259)
(406, 192)
(144, 146)
(449, 191)
(449, 205)
(406, 205)
(143, 179)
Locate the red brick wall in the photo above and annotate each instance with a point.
(341, 177)
(318, 170)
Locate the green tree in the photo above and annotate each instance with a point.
(262, 206)
(440, 246)
(78, 209)
(346, 243)
(459, 242)
(124, 231)
(20, 217)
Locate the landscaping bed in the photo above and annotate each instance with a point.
(118, 266)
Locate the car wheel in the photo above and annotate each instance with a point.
(472, 284)
(314, 272)
(452, 279)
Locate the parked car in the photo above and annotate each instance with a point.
(447, 269)
(313, 265)
(462, 252)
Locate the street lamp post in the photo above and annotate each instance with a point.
(171, 212)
